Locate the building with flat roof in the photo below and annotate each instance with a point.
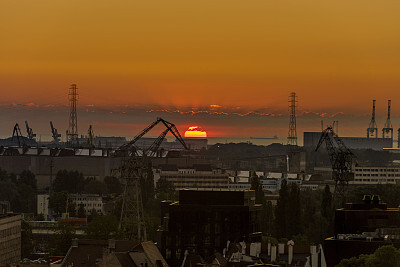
(201, 222)
(10, 238)
(361, 228)
(311, 139)
(199, 176)
(376, 175)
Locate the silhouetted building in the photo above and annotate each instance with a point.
(203, 221)
(361, 228)
(310, 140)
(10, 238)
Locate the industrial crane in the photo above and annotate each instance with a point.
(341, 159)
(55, 134)
(29, 131)
(131, 148)
(90, 137)
(17, 134)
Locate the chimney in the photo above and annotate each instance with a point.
(376, 199)
(314, 256)
(367, 199)
(273, 253)
(74, 243)
(290, 245)
(111, 245)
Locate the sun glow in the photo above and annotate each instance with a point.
(195, 131)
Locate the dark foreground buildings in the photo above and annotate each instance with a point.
(361, 228)
(10, 238)
(203, 221)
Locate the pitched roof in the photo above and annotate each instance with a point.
(152, 253)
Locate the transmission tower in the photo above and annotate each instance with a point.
(372, 130)
(292, 136)
(72, 132)
(132, 171)
(388, 128)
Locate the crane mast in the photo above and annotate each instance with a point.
(341, 159)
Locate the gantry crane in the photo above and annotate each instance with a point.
(133, 172)
(341, 159)
(130, 147)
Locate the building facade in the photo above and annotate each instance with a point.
(10, 238)
(197, 176)
(376, 175)
(311, 139)
(203, 221)
(90, 202)
(361, 228)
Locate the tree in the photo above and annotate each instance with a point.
(95, 187)
(81, 211)
(72, 181)
(383, 256)
(26, 239)
(113, 185)
(293, 216)
(62, 239)
(257, 187)
(102, 227)
(281, 210)
(28, 178)
(165, 189)
(58, 203)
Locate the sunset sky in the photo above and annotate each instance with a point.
(227, 66)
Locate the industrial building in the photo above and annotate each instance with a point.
(202, 222)
(199, 176)
(90, 202)
(310, 141)
(10, 238)
(376, 175)
(361, 228)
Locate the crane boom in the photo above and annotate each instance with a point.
(341, 159)
(170, 128)
(17, 134)
(56, 136)
(29, 131)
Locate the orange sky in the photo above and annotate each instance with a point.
(335, 54)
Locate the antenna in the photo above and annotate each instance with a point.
(292, 135)
(372, 130)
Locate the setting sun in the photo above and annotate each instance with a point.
(195, 131)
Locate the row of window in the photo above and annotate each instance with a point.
(195, 177)
(376, 175)
(10, 231)
(377, 170)
(90, 204)
(374, 180)
(87, 199)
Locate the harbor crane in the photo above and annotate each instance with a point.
(130, 147)
(133, 174)
(18, 135)
(55, 134)
(341, 159)
(29, 131)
